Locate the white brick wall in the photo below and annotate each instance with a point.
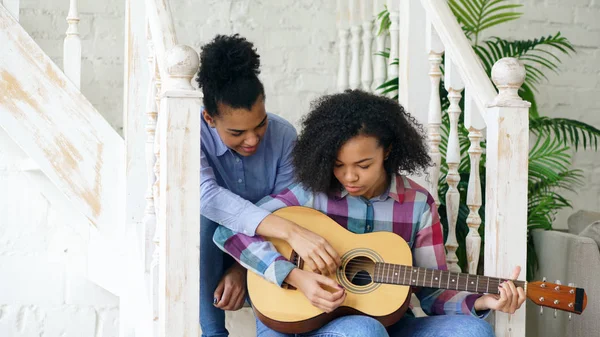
(42, 248)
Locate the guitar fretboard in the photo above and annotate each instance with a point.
(433, 278)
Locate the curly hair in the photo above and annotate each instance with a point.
(229, 68)
(334, 119)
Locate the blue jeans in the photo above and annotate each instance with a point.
(213, 262)
(408, 326)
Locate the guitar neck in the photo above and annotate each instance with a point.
(433, 278)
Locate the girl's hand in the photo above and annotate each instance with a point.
(317, 253)
(231, 291)
(510, 299)
(314, 287)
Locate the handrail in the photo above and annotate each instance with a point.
(164, 37)
(463, 56)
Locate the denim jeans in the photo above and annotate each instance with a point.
(408, 326)
(213, 262)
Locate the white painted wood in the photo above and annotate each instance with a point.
(72, 46)
(506, 185)
(156, 237)
(392, 69)
(180, 196)
(163, 30)
(454, 86)
(135, 100)
(413, 81)
(366, 76)
(454, 39)
(406, 58)
(343, 23)
(12, 6)
(475, 124)
(434, 119)
(135, 314)
(379, 66)
(59, 128)
(355, 30)
(151, 235)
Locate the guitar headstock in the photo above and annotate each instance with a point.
(557, 296)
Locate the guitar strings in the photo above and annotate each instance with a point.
(355, 267)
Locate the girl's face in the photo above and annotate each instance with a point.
(359, 167)
(240, 129)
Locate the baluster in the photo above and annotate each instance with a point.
(367, 27)
(152, 231)
(342, 25)
(150, 217)
(12, 6)
(474, 123)
(379, 68)
(454, 86)
(435, 49)
(355, 29)
(392, 70)
(72, 47)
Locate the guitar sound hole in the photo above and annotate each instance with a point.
(359, 270)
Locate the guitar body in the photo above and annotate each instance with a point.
(289, 311)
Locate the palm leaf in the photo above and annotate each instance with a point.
(566, 130)
(535, 54)
(478, 15)
(384, 21)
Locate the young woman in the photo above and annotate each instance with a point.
(246, 155)
(347, 160)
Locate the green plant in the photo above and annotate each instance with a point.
(550, 156)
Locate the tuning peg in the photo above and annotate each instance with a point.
(555, 312)
(541, 311)
(558, 286)
(572, 285)
(543, 285)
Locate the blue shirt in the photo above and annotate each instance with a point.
(230, 184)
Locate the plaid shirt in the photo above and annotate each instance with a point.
(406, 209)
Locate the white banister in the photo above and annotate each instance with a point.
(163, 30)
(12, 6)
(454, 86)
(355, 29)
(468, 63)
(367, 40)
(379, 67)
(342, 21)
(72, 46)
(475, 124)
(435, 49)
(392, 69)
(179, 216)
(507, 150)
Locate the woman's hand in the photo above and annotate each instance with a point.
(231, 290)
(314, 287)
(510, 299)
(317, 253)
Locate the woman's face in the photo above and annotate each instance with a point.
(240, 129)
(359, 167)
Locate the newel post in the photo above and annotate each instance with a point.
(507, 120)
(179, 212)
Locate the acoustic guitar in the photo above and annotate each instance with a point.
(377, 273)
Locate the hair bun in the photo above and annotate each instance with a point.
(225, 59)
